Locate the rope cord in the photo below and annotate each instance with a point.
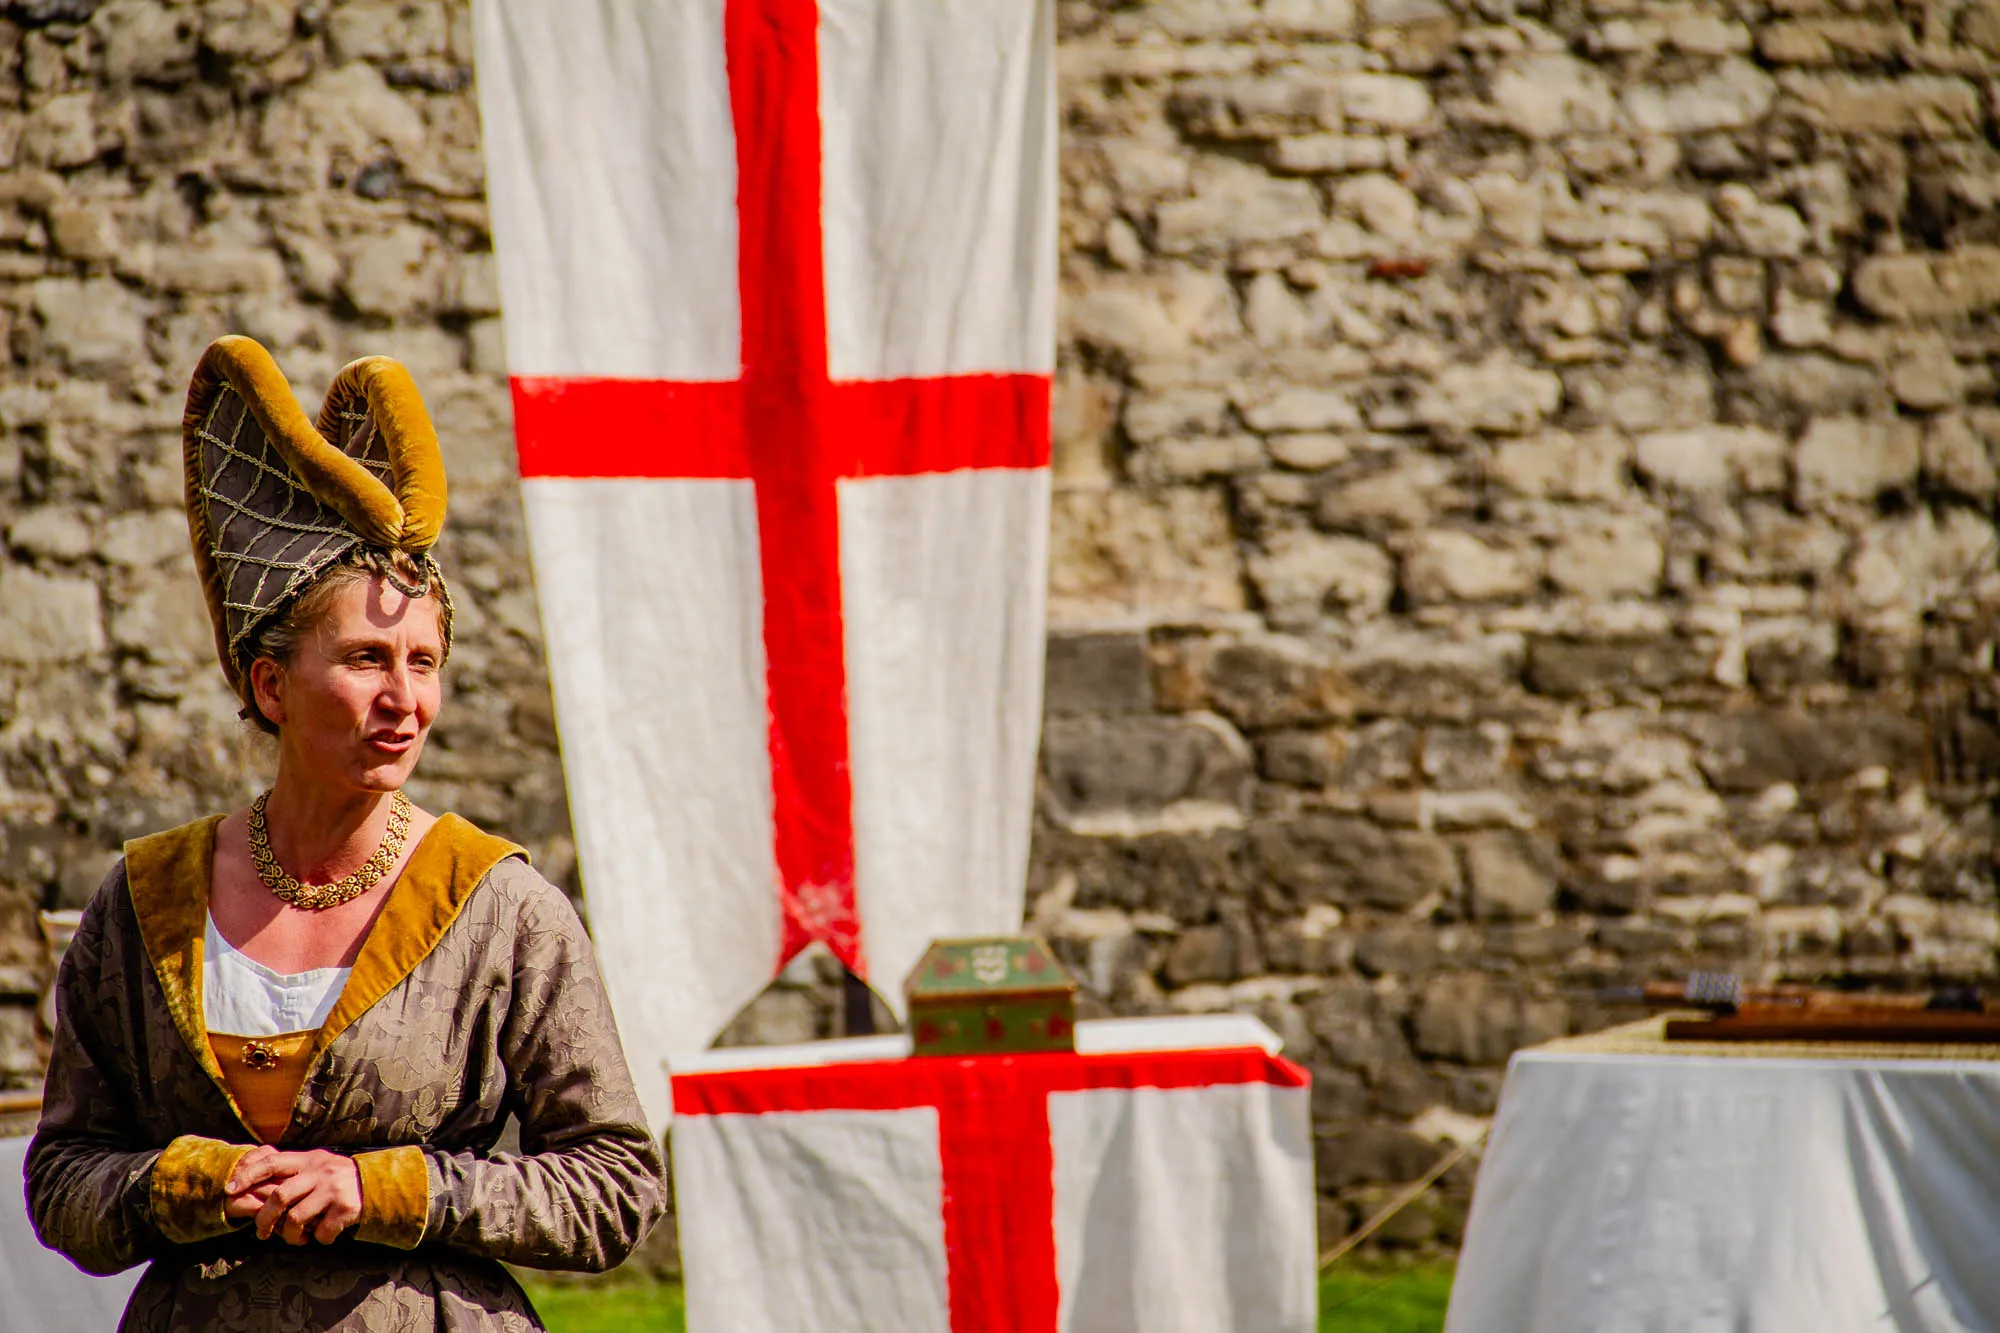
(1403, 1199)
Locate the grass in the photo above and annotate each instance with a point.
(1354, 1298)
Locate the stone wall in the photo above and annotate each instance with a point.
(1525, 510)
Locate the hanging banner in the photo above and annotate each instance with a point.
(779, 287)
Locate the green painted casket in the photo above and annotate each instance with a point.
(989, 995)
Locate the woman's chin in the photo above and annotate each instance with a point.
(383, 769)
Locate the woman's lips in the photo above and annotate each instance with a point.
(390, 743)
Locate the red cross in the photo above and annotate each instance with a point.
(993, 1146)
(791, 429)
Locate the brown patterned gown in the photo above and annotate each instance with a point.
(475, 996)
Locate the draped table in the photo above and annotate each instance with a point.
(1633, 1184)
(1158, 1179)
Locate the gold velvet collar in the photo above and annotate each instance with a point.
(168, 875)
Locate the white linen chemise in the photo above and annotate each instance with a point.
(240, 997)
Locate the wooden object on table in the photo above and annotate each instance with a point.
(990, 995)
(1835, 1018)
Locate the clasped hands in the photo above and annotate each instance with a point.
(296, 1195)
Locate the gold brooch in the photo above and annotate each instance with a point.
(259, 1056)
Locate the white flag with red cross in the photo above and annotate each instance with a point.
(779, 286)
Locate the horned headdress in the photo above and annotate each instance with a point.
(274, 499)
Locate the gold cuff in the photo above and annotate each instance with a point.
(187, 1187)
(395, 1196)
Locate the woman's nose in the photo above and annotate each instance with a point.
(398, 694)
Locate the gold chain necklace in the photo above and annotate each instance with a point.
(319, 897)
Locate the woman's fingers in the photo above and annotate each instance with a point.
(252, 1169)
(280, 1201)
(319, 1199)
(244, 1205)
(329, 1228)
(303, 1215)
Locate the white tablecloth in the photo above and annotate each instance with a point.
(40, 1291)
(1690, 1193)
(1157, 1181)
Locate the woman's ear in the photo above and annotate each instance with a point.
(267, 686)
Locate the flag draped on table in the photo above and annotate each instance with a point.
(779, 283)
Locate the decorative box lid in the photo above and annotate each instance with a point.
(987, 966)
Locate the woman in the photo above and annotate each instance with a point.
(288, 1037)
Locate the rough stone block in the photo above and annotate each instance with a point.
(1155, 315)
(1730, 96)
(1855, 459)
(52, 533)
(83, 231)
(1546, 94)
(1112, 774)
(387, 30)
(1957, 457)
(1711, 461)
(1979, 26)
(48, 618)
(165, 621)
(95, 326)
(1371, 1152)
(1419, 675)
(1299, 574)
(1224, 951)
(1165, 462)
(1237, 209)
(1404, 495)
(1572, 667)
(1468, 1017)
(1386, 101)
(1497, 395)
(1754, 750)
(1333, 858)
(1443, 565)
(61, 133)
(392, 274)
(1558, 465)
(1256, 108)
(1151, 416)
(1273, 681)
(1930, 286)
(1511, 876)
(146, 539)
(1786, 655)
(1326, 154)
(1610, 557)
(1826, 41)
(1298, 409)
(780, 1016)
(472, 285)
(1179, 876)
(1114, 552)
(1097, 673)
(143, 40)
(1302, 758)
(1767, 230)
(1144, 171)
(1908, 104)
(1456, 758)
(1382, 204)
(1924, 375)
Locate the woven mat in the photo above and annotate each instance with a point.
(1648, 1037)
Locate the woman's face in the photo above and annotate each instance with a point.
(357, 700)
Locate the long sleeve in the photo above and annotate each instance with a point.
(588, 1184)
(88, 1189)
